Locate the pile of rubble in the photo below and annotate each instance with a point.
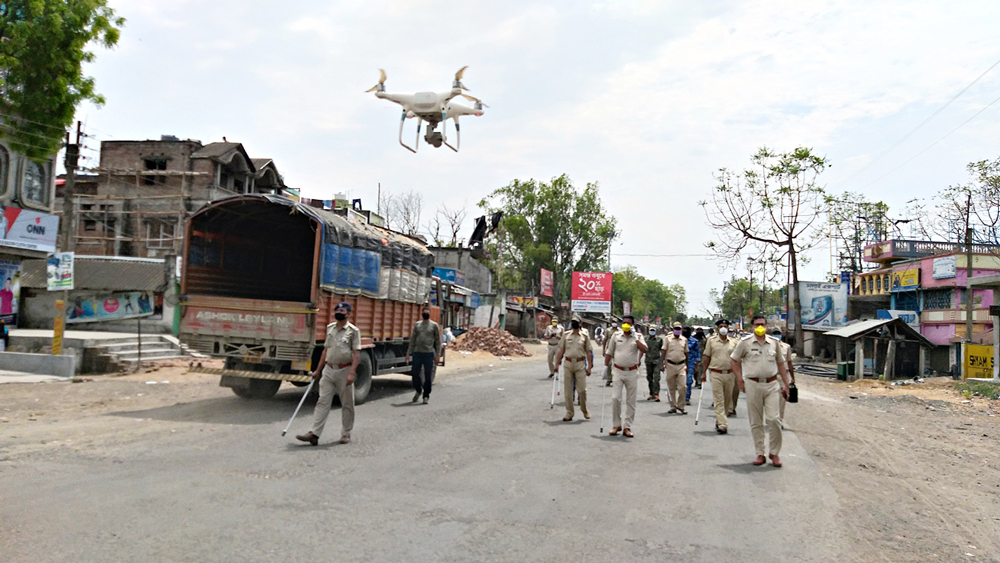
(493, 340)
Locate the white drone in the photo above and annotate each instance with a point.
(434, 108)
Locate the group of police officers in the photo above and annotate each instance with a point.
(757, 364)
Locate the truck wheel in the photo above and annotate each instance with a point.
(258, 388)
(363, 379)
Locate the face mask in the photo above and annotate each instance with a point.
(575, 325)
(626, 327)
(778, 336)
(426, 316)
(677, 332)
(554, 323)
(652, 332)
(760, 330)
(340, 316)
(723, 331)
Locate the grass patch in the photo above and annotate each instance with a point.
(975, 389)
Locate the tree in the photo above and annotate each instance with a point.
(552, 225)
(647, 296)
(739, 296)
(855, 223)
(974, 205)
(42, 50)
(402, 211)
(451, 220)
(769, 210)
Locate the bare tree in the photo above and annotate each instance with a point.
(769, 209)
(408, 206)
(453, 218)
(387, 208)
(434, 230)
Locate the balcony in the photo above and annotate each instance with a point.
(894, 250)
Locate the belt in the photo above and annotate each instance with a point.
(768, 380)
(339, 366)
(576, 359)
(636, 366)
(676, 363)
(721, 370)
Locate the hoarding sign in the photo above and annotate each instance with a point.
(944, 268)
(906, 279)
(450, 275)
(59, 270)
(591, 292)
(10, 295)
(626, 307)
(525, 301)
(911, 318)
(978, 361)
(546, 283)
(824, 305)
(95, 307)
(31, 230)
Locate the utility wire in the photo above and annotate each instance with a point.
(922, 123)
(8, 116)
(616, 254)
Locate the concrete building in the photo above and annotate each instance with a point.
(146, 189)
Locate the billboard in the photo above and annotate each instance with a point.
(450, 275)
(944, 268)
(911, 318)
(10, 279)
(59, 271)
(591, 292)
(905, 279)
(31, 230)
(824, 305)
(94, 307)
(546, 283)
(978, 361)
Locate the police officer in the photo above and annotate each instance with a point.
(693, 357)
(758, 361)
(622, 356)
(552, 335)
(653, 343)
(791, 374)
(576, 355)
(337, 365)
(675, 351)
(718, 349)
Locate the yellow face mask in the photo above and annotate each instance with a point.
(626, 327)
(760, 330)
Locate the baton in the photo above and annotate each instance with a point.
(700, 395)
(304, 395)
(555, 379)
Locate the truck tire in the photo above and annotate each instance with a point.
(363, 379)
(258, 389)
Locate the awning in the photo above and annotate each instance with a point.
(864, 328)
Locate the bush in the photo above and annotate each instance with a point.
(988, 390)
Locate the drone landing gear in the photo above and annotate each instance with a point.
(416, 143)
(458, 134)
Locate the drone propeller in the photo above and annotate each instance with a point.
(476, 100)
(458, 78)
(381, 83)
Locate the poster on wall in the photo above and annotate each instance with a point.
(906, 279)
(944, 268)
(10, 294)
(20, 228)
(824, 305)
(546, 282)
(591, 292)
(95, 307)
(59, 271)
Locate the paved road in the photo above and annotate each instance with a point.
(486, 472)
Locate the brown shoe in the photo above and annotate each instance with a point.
(567, 418)
(627, 433)
(775, 461)
(615, 431)
(761, 460)
(345, 439)
(309, 437)
(586, 415)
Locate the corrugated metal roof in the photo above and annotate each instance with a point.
(103, 273)
(859, 329)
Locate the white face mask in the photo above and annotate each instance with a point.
(723, 331)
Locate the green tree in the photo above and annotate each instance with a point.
(43, 45)
(647, 296)
(771, 210)
(552, 225)
(738, 297)
(855, 223)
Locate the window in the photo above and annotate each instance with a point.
(89, 225)
(908, 301)
(86, 206)
(33, 188)
(885, 282)
(878, 284)
(938, 299)
(159, 234)
(154, 164)
(871, 285)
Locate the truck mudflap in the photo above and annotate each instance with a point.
(252, 374)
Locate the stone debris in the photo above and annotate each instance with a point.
(493, 340)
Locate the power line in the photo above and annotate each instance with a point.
(932, 144)
(616, 254)
(922, 123)
(8, 116)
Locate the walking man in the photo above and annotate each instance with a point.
(425, 348)
(694, 356)
(653, 343)
(718, 349)
(758, 361)
(576, 355)
(622, 356)
(675, 351)
(787, 349)
(337, 365)
(552, 335)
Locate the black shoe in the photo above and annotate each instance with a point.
(682, 411)
(551, 375)
(671, 411)
(687, 402)
(608, 384)
(721, 430)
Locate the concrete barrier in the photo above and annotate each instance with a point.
(42, 364)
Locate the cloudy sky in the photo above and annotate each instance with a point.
(646, 98)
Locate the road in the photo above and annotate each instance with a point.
(485, 472)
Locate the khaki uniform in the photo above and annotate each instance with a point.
(675, 367)
(608, 335)
(722, 378)
(624, 351)
(340, 346)
(760, 363)
(575, 348)
(552, 335)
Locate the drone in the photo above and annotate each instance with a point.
(436, 108)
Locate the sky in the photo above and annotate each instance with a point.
(648, 99)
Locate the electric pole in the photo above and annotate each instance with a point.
(66, 238)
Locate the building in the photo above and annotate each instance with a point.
(144, 190)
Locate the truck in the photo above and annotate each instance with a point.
(261, 275)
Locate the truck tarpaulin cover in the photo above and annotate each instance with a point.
(364, 259)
